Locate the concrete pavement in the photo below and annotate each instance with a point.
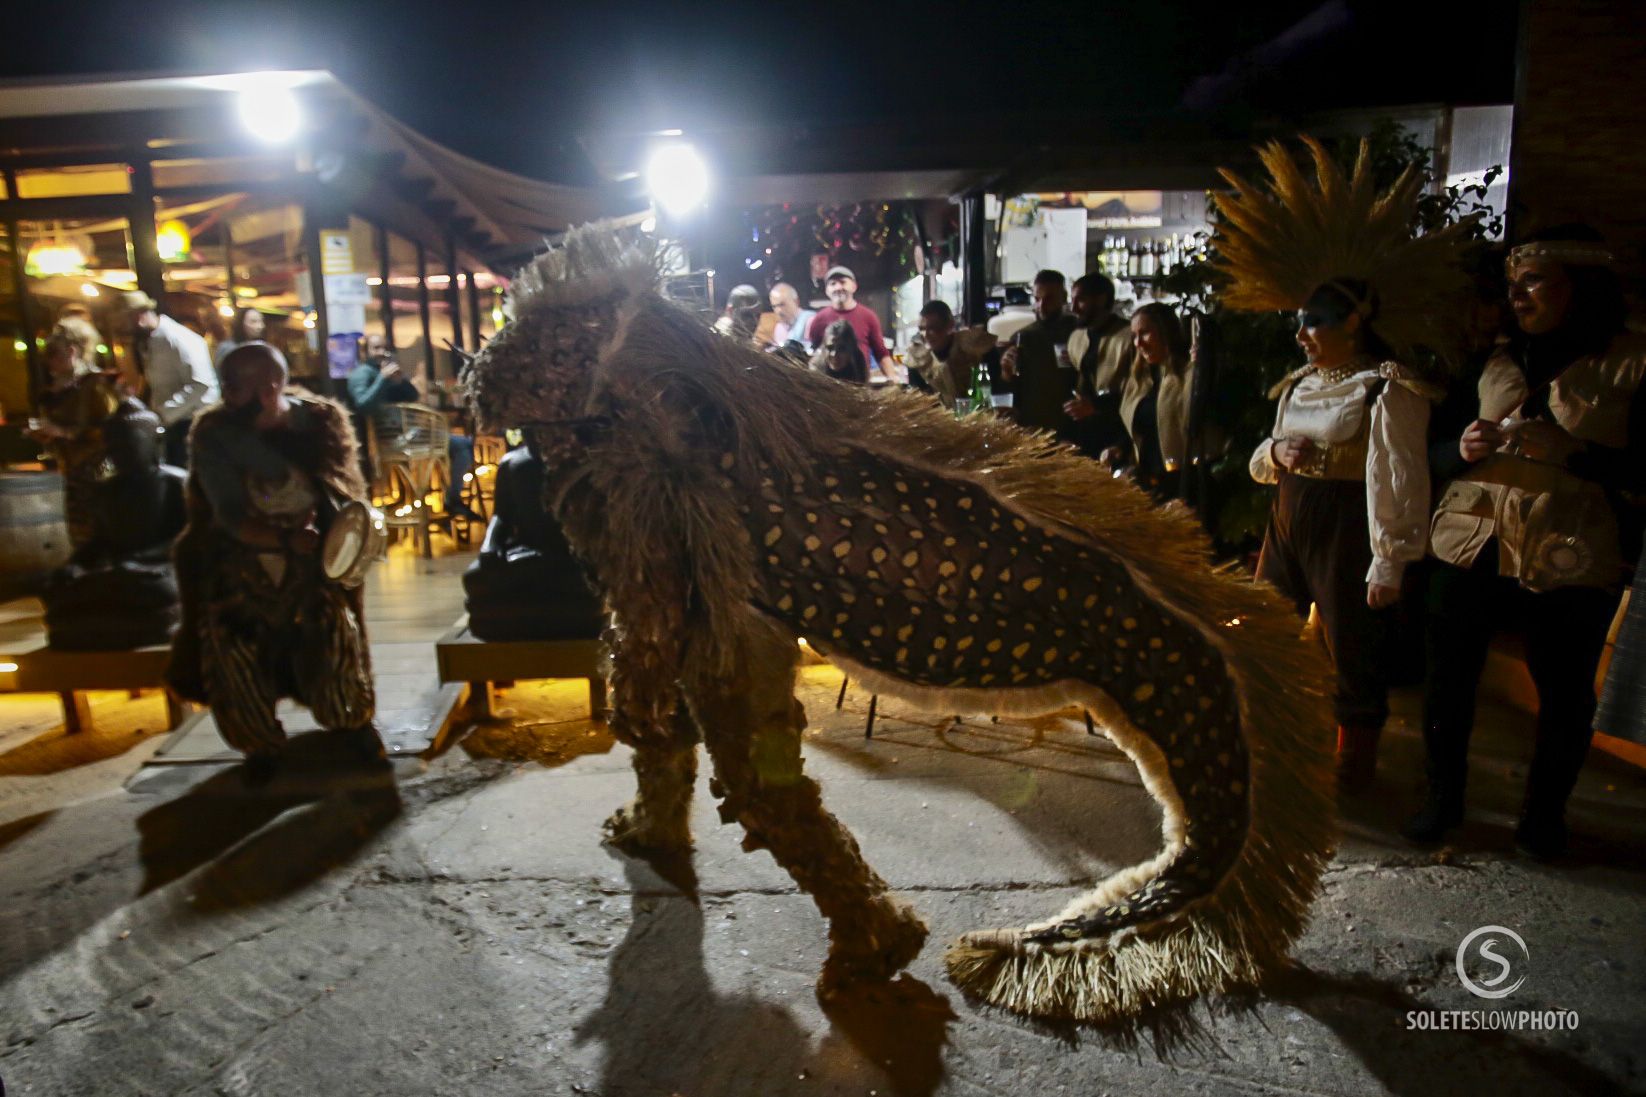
(455, 927)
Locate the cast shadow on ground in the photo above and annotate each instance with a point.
(1060, 750)
(324, 805)
(1369, 1017)
(666, 1028)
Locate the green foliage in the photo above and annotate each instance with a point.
(1256, 350)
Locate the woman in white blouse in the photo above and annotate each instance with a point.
(1348, 455)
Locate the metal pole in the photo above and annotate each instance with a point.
(145, 250)
(423, 310)
(474, 311)
(317, 283)
(452, 299)
(385, 293)
(974, 283)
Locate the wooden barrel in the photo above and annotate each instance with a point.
(34, 537)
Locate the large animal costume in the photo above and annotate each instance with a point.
(727, 502)
(259, 625)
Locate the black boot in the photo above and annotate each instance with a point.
(1542, 832)
(1442, 810)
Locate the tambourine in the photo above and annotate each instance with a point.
(356, 539)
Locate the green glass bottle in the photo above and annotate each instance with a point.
(982, 392)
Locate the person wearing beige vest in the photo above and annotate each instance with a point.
(1154, 401)
(943, 359)
(1527, 529)
(1100, 351)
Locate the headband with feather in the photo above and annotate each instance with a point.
(1279, 244)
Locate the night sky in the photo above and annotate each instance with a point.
(516, 84)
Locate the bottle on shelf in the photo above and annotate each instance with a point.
(1146, 262)
(1134, 260)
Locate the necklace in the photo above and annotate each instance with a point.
(1341, 373)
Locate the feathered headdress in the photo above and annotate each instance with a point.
(1278, 245)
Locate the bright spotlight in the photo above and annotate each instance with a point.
(270, 112)
(677, 178)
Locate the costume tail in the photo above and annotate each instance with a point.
(1249, 822)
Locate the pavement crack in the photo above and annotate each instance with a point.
(24, 1040)
(388, 878)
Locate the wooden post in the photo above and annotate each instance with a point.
(423, 310)
(474, 312)
(145, 250)
(385, 293)
(453, 301)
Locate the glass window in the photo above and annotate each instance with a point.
(73, 181)
(221, 171)
(269, 273)
(81, 266)
(191, 239)
(465, 311)
(441, 324)
(491, 303)
(410, 348)
(14, 350)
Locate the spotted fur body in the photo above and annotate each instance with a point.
(728, 502)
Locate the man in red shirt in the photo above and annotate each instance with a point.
(841, 284)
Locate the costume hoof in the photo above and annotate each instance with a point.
(632, 831)
(889, 941)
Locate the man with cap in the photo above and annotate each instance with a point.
(842, 288)
(176, 367)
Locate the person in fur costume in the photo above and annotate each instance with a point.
(727, 503)
(260, 620)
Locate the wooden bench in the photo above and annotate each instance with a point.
(69, 674)
(463, 657)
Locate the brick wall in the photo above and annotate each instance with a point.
(1579, 149)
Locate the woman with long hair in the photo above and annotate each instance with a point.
(840, 355)
(249, 326)
(1154, 404)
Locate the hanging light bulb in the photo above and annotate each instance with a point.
(172, 241)
(55, 256)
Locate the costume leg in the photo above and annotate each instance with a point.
(665, 771)
(646, 715)
(752, 723)
(240, 684)
(333, 665)
(1565, 633)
